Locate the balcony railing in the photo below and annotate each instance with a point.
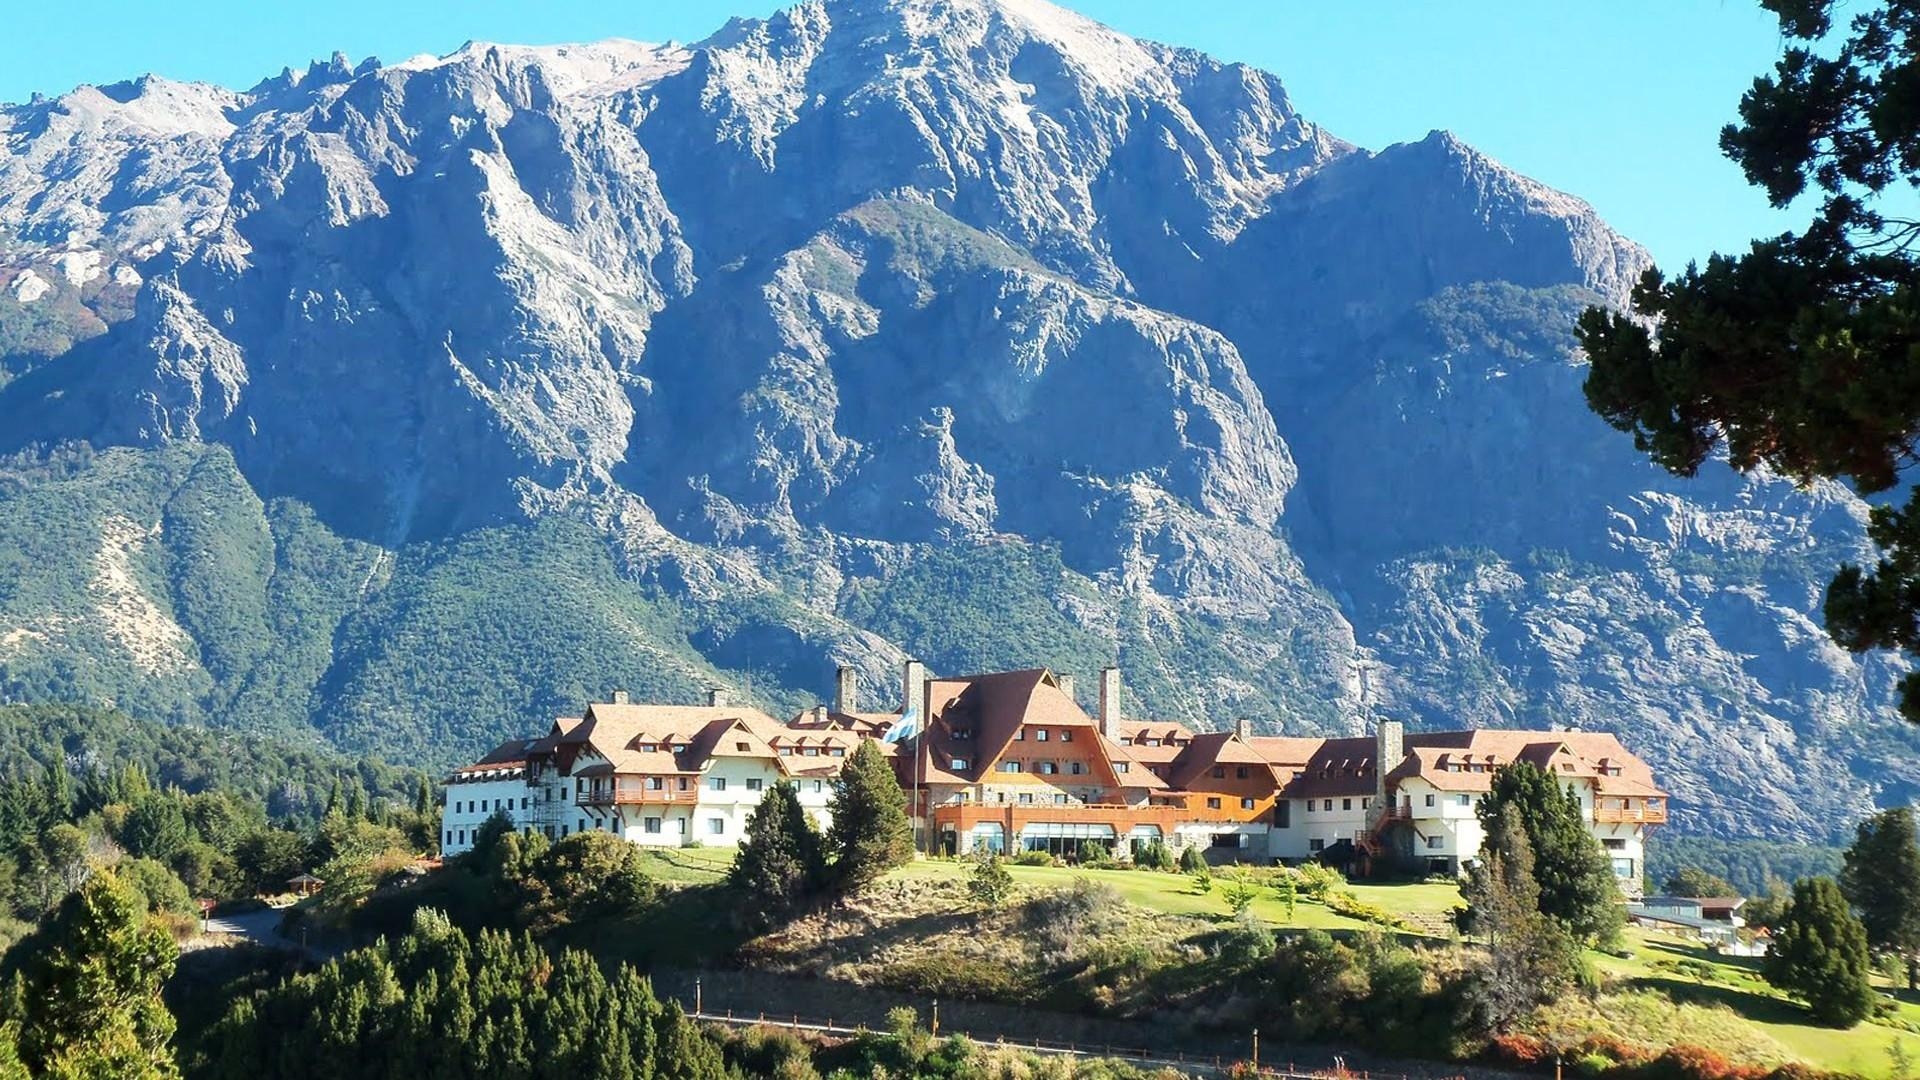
(1630, 815)
(627, 794)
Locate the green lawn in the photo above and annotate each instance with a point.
(687, 866)
(1735, 982)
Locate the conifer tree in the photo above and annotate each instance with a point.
(1819, 955)
(1880, 876)
(1531, 958)
(92, 996)
(871, 833)
(1575, 877)
(781, 863)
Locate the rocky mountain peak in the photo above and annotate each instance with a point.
(965, 328)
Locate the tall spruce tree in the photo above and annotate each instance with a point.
(1531, 959)
(870, 833)
(92, 996)
(782, 862)
(1575, 875)
(1802, 355)
(1819, 955)
(1880, 877)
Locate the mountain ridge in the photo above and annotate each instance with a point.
(531, 370)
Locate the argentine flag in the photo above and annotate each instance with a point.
(904, 728)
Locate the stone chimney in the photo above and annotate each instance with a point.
(1110, 702)
(1066, 685)
(717, 697)
(1390, 746)
(820, 715)
(621, 697)
(913, 696)
(1243, 729)
(846, 697)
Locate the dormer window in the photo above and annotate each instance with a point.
(1119, 766)
(679, 748)
(838, 751)
(648, 748)
(1153, 742)
(742, 747)
(961, 734)
(958, 764)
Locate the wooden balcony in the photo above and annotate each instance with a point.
(1651, 814)
(637, 794)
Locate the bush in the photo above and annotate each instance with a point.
(1316, 881)
(1191, 861)
(1342, 902)
(1096, 855)
(1152, 855)
(1240, 893)
(990, 885)
(1203, 881)
(1247, 943)
(1062, 918)
(1034, 858)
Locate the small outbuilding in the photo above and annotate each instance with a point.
(304, 884)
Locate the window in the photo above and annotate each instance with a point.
(1429, 800)
(1060, 800)
(1434, 842)
(1219, 771)
(817, 788)
(449, 840)
(1066, 736)
(683, 783)
(679, 826)
(1240, 773)
(648, 748)
(1316, 845)
(958, 763)
(1026, 798)
(679, 748)
(1020, 736)
(1282, 814)
(716, 825)
(1151, 742)
(960, 734)
(1246, 804)
(496, 804)
(1119, 766)
(582, 826)
(1465, 800)
(1326, 804)
(1346, 804)
(1047, 768)
(1366, 801)
(655, 783)
(523, 802)
(1040, 734)
(786, 751)
(810, 751)
(1213, 804)
(718, 783)
(653, 825)
(838, 751)
(563, 832)
(1076, 768)
(1614, 843)
(742, 747)
(1009, 766)
(463, 836)
(753, 783)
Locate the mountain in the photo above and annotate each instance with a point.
(418, 402)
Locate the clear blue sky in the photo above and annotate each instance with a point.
(1618, 101)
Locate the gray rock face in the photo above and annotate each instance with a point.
(788, 312)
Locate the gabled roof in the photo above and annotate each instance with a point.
(506, 760)
(1223, 748)
(668, 739)
(1139, 773)
(1339, 767)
